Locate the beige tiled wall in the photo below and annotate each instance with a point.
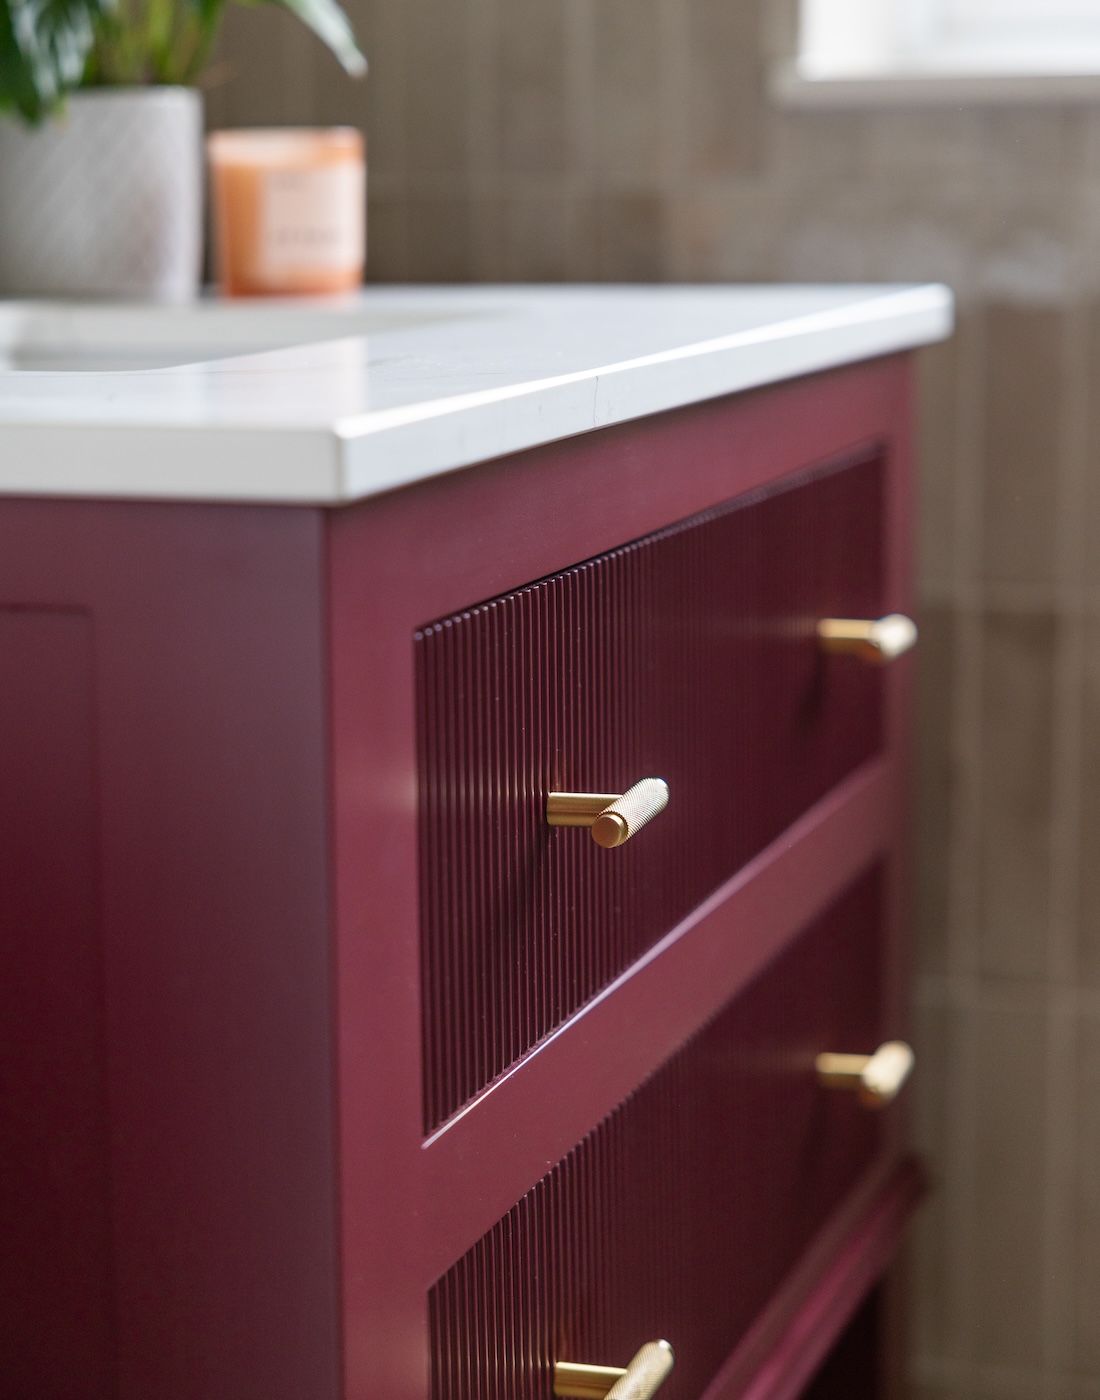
(631, 139)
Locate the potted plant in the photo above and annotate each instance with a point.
(101, 141)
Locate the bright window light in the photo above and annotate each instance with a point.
(965, 38)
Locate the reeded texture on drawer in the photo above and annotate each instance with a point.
(682, 1212)
(689, 655)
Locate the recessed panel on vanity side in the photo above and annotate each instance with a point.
(57, 1294)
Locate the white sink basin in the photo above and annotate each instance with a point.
(81, 338)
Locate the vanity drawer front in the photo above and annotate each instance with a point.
(690, 655)
(680, 1215)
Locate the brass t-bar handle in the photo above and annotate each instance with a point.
(640, 1380)
(877, 641)
(611, 817)
(877, 1078)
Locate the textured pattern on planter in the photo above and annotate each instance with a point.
(107, 200)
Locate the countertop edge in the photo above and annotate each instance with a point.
(423, 446)
(354, 459)
(176, 462)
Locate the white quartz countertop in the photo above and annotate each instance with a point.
(332, 401)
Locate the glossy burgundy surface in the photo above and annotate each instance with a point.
(434, 552)
(850, 1255)
(523, 1122)
(57, 1315)
(211, 770)
(681, 1214)
(688, 655)
(845, 1373)
(168, 1215)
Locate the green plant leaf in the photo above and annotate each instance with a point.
(153, 41)
(332, 26)
(17, 91)
(43, 48)
(49, 47)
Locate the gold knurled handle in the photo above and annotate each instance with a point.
(878, 641)
(611, 818)
(877, 1078)
(641, 1379)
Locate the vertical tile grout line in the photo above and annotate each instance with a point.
(675, 149)
(403, 151)
(964, 897)
(580, 84)
(1060, 1137)
(965, 873)
(482, 186)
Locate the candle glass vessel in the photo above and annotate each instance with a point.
(289, 210)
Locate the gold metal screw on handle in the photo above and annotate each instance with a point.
(877, 1078)
(877, 641)
(612, 818)
(639, 1381)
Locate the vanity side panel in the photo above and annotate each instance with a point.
(210, 827)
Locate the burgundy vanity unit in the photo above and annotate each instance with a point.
(368, 1032)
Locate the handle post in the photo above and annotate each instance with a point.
(877, 1079)
(641, 1380)
(611, 817)
(878, 641)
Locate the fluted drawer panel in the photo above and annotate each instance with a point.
(682, 1212)
(690, 656)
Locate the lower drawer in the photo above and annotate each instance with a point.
(681, 1213)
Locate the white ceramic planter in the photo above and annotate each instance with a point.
(107, 199)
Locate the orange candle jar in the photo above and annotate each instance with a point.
(289, 210)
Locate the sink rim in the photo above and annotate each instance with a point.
(74, 337)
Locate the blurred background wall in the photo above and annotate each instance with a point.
(633, 140)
